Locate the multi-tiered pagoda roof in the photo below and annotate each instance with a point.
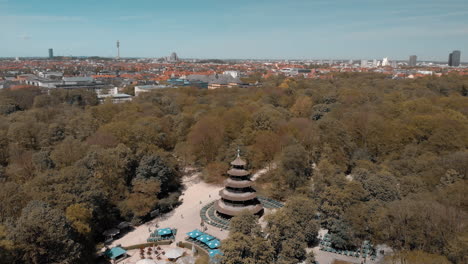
(238, 194)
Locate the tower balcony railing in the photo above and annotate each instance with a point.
(238, 173)
(237, 196)
(233, 211)
(238, 183)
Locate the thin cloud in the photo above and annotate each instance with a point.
(407, 32)
(40, 19)
(132, 18)
(24, 37)
(431, 17)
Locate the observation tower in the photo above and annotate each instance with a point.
(238, 194)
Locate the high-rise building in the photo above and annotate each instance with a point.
(364, 64)
(454, 58)
(173, 57)
(385, 62)
(413, 59)
(51, 53)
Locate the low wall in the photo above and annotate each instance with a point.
(149, 244)
(188, 245)
(182, 244)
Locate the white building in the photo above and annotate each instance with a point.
(50, 74)
(114, 96)
(147, 88)
(375, 63)
(364, 64)
(234, 74)
(426, 72)
(295, 71)
(77, 80)
(385, 62)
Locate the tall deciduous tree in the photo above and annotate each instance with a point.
(205, 137)
(302, 107)
(80, 217)
(266, 146)
(143, 198)
(44, 235)
(161, 169)
(245, 243)
(295, 166)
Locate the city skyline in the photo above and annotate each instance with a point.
(51, 55)
(171, 58)
(238, 30)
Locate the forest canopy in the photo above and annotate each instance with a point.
(376, 158)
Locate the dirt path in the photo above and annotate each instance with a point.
(186, 217)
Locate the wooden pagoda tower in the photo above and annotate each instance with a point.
(238, 194)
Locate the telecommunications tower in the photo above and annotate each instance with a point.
(118, 49)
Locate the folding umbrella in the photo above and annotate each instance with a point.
(215, 243)
(164, 231)
(214, 252)
(195, 233)
(205, 238)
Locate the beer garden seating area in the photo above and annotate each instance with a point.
(205, 241)
(162, 234)
(366, 249)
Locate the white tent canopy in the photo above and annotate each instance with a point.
(186, 260)
(174, 253)
(146, 261)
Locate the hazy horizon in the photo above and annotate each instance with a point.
(325, 60)
(242, 30)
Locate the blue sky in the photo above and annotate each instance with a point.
(302, 29)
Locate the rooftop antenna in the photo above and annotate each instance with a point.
(118, 49)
